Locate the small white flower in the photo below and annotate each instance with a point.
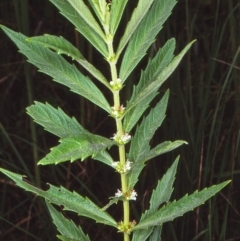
(125, 138)
(127, 166)
(118, 193)
(114, 137)
(115, 164)
(133, 195)
(117, 84)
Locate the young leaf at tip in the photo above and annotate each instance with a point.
(117, 8)
(68, 11)
(144, 35)
(137, 16)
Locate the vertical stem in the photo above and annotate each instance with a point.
(120, 132)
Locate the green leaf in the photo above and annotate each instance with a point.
(71, 201)
(95, 38)
(144, 35)
(79, 147)
(137, 16)
(66, 227)
(117, 8)
(154, 84)
(164, 147)
(144, 133)
(59, 69)
(62, 46)
(163, 191)
(84, 13)
(104, 157)
(97, 9)
(160, 195)
(132, 117)
(55, 120)
(153, 69)
(59, 44)
(156, 235)
(178, 208)
(158, 150)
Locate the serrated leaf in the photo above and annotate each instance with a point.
(160, 195)
(71, 201)
(84, 12)
(164, 147)
(137, 167)
(62, 46)
(164, 189)
(144, 133)
(137, 16)
(79, 147)
(154, 85)
(55, 120)
(68, 11)
(117, 8)
(65, 226)
(154, 67)
(178, 208)
(144, 35)
(59, 69)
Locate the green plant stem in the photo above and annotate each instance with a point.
(120, 132)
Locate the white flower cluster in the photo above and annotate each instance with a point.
(123, 169)
(117, 112)
(116, 85)
(130, 195)
(125, 138)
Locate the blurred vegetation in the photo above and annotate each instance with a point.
(204, 110)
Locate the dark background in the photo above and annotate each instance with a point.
(204, 110)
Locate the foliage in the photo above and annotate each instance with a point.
(76, 143)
